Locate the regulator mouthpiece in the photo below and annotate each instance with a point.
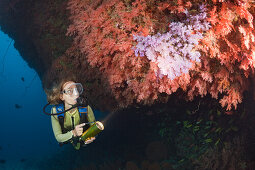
(80, 101)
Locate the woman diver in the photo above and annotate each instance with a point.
(70, 125)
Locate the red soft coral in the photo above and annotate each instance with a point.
(103, 30)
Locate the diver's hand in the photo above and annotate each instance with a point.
(89, 140)
(78, 130)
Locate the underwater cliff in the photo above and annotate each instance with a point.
(178, 74)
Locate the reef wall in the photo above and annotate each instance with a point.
(39, 30)
(148, 50)
(131, 53)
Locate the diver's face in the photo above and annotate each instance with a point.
(70, 95)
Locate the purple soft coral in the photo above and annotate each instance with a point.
(174, 51)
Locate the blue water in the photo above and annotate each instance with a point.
(26, 132)
(26, 137)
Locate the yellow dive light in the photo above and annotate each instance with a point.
(92, 131)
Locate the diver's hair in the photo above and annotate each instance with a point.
(53, 94)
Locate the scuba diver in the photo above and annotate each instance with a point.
(68, 119)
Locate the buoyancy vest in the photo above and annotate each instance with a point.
(86, 116)
(83, 112)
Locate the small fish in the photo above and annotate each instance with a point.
(2, 161)
(0, 148)
(229, 112)
(23, 79)
(22, 160)
(18, 106)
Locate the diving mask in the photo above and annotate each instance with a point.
(73, 89)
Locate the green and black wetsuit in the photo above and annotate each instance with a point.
(65, 134)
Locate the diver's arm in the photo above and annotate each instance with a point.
(60, 137)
